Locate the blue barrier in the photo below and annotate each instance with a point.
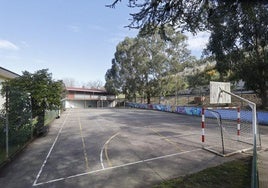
(262, 117)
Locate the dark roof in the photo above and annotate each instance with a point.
(86, 90)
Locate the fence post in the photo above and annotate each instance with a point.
(203, 125)
(238, 123)
(254, 174)
(7, 129)
(31, 115)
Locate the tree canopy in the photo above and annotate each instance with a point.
(188, 14)
(37, 91)
(146, 65)
(239, 43)
(191, 15)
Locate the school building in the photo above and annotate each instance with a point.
(88, 98)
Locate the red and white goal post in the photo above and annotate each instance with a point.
(223, 132)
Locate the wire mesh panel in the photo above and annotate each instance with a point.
(226, 131)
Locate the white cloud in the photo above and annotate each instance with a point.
(24, 44)
(96, 28)
(196, 43)
(7, 45)
(74, 28)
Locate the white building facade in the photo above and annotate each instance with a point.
(5, 75)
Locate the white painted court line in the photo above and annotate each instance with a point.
(104, 147)
(51, 148)
(184, 135)
(83, 143)
(116, 167)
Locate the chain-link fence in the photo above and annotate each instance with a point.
(17, 124)
(195, 100)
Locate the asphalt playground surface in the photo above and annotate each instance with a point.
(112, 148)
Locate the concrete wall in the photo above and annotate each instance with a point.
(262, 117)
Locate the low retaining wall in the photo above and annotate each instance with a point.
(262, 117)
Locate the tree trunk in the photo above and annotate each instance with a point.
(40, 128)
(39, 113)
(148, 98)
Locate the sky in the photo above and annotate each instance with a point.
(72, 38)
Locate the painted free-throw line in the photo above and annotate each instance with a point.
(50, 150)
(116, 167)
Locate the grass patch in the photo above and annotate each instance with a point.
(235, 174)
